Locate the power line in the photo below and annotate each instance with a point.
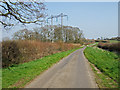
(57, 16)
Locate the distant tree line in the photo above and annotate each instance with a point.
(54, 33)
(113, 38)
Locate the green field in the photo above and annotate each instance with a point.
(18, 75)
(106, 62)
(114, 41)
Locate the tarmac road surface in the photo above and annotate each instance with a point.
(72, 71)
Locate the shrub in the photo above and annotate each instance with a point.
(10, 53)
(20, 51)
(110, 46)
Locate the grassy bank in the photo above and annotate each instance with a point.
(18, 75)
(114, 41)
(107, 63)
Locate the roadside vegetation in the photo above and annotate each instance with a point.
(21, 51)
(28, 45)
(18, 75)
(107, 66)
(30, 52)
(110, 46)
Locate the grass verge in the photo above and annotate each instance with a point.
(106, 64)
(19, 75)
(114, 41)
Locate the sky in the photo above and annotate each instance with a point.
(96, 19)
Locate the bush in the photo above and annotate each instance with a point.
(10, 53)
(110, 46)
(20, 51)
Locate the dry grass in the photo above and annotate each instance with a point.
(110, 46)
(20, 51)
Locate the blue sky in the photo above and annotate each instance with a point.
(96, 19)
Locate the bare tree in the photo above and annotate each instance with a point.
(21, 12)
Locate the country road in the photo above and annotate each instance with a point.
(72, 71)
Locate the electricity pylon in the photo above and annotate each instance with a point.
(51, 17)
(57, 16)
(62, 15)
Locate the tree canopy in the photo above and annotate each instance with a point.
(66, 34)
(21, 12)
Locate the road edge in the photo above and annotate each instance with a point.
(51, 67)
(90, 71)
